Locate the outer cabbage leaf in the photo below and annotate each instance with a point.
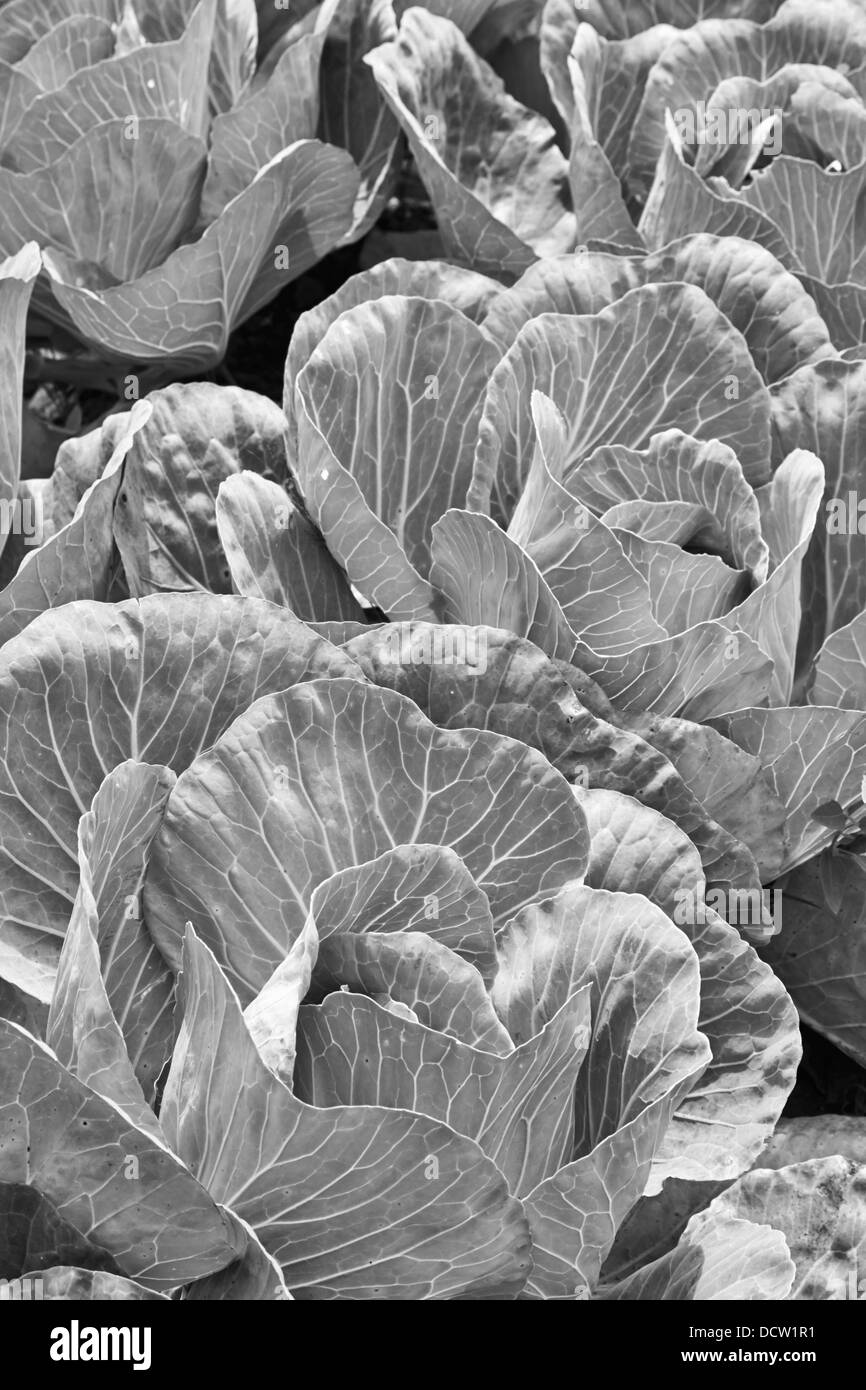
(89, 685)
(77, 562)
(499, 196)
(299, 1175)
(751, 1024)
(821, 953)
(820, 1208)
(574, 1215)
(490, 679)
(184, 309)
(719, 1258)
(34, 1236)
(159, 1225)
(762, 299)
(811, 754)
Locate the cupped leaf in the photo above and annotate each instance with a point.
(245, 878)
(440, 989)
(465, 290)
(164, 81)
(78, 561)
(82, 1030)
(499, 196)
(411, 888)
(680, 201)
(294, 211)
(644, 986)
(684, 589)
(118, 201)
(611, 75)
(754, 291)
(596, 191)
(487, 579)
(663, 356)
(79, 461)
(692, 65)
(771, 615)
(114, 842)
(282, 108)
(395, 390)
(233, 54)
(819, 213)
(336, 1196)
(89, 685)
(693, 674)
(696, 673)
(23, 26)
(272, 1016)
(197, 435)
(274, 552)
(353, 113)
(676, 467)
(583, 283)
(369, 551)
(604, 597)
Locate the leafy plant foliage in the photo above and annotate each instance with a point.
(428, 809)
